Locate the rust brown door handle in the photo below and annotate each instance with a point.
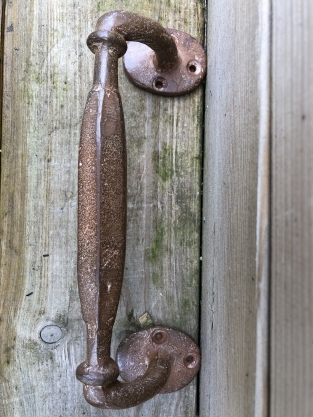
(157, 359)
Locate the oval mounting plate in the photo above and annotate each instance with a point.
(139, 65)
(136, 351)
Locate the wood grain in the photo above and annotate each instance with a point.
(292, 210)
(235, 254)
(47, 74)
(2, 15)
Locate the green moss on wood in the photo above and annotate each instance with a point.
(162, 162)
(157, 244)
(186, 305)
(155, 279)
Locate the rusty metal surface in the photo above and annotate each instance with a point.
(119, 395)
(134, 355)
(102, 224)
(186, 75)
(101, 209)
(133, 27)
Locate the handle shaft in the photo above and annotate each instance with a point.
(102, 204)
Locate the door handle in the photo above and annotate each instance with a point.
(158, 359)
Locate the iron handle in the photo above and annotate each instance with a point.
(176, 66)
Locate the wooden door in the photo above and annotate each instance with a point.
(47, 73)
(255, 220)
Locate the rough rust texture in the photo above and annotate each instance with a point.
(186, 74)
(101, 210)
(150, 365)
(141, 29)
(102, 217)
(136, 351)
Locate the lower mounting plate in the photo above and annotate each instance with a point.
(135, 352)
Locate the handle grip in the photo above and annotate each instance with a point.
(102, 210)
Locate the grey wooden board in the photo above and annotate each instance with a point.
(48, 72)
(234, 328)
(292, 210)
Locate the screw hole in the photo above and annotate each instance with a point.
(159, 337)
(194, 67)
(191, 361)
(158, 84)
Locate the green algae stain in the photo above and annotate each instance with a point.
(156, 247)
(155, 279)
(186, 305)
(193, 279)
(166, 170)
(162, 161)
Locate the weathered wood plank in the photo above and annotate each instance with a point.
(48, 71)
(2, 14)
(292, 212)
(235, 254)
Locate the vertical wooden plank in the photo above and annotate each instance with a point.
(48, 72)
(235, 254)
(292, 210)
(13, 201)
(2, 22)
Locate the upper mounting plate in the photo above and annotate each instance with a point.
(139, 65)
